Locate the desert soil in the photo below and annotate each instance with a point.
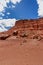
(21, 52)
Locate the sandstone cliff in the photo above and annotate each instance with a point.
(25, 28)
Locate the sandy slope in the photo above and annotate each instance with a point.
(21, 52)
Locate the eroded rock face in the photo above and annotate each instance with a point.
(30, 27)
(4, 36)
(25, 28)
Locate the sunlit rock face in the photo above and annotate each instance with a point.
(26, 28)
(30, 27)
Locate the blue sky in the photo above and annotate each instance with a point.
(26, 9)
(13, 10)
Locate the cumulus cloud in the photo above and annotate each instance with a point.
(40, 8)
(3, 3)
(5, 23)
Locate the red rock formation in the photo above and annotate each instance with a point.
(29, 28)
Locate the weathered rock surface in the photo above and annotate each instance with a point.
(25, 28)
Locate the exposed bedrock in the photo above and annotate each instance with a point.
(25, 28)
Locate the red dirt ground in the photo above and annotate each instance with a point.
(21, 52)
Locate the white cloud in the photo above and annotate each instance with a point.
(40, 8)
(3, 3)
(15, 1)
(6, 23)
(8, 13)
